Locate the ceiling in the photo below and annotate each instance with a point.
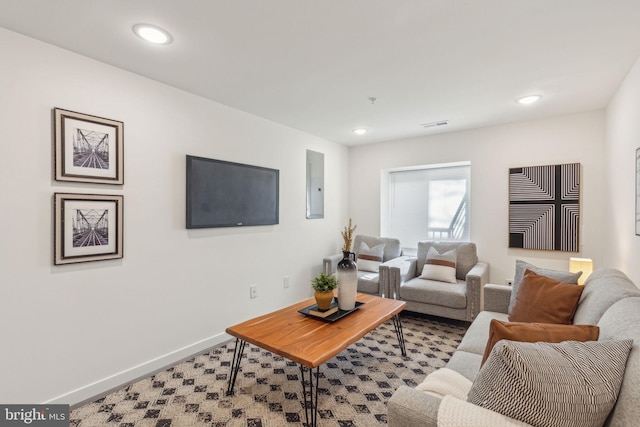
(313, 65)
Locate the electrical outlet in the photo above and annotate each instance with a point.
(508, 282)
(285, 281)
(253, 291)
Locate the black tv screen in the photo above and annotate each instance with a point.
(227, 194)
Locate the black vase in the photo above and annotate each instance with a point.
(347, 275)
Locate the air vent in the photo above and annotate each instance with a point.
(435, 124)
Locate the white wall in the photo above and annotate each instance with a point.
(623, 138)
(492, 151)
(71, 332)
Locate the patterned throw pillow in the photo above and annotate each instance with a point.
(440, 267)
(544, 384)
(521, 266)
(369, 259)
(536, 332)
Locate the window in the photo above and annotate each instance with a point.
(426, 203)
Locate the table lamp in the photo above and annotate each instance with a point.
(581, 264)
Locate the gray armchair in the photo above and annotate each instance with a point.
(369, 279)
(461, 300)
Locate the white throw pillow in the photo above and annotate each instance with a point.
(440, 267)
(369, 259)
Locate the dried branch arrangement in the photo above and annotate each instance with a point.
(347, 236)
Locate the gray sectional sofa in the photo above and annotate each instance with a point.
(609, 300)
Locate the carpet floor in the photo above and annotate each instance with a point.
(354, 386)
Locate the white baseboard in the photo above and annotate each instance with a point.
(94, 391)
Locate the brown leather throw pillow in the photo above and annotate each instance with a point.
(536, 332)
(541, 299)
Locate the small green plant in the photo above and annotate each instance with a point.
(324, 283)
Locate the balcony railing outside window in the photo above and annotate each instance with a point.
(427, 203)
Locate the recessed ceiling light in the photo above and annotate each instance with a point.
(359, 131)
(152, 34)
(529, 99)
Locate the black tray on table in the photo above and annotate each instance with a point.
(332, 317)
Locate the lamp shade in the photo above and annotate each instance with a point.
(581, 264)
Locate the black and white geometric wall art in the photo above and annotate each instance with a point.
(544, 207)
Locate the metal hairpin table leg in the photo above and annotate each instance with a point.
(235, 365)
(311, 405)
(398, 326)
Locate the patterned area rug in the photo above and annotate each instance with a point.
(354, 386)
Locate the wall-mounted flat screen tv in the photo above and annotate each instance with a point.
(227, 194)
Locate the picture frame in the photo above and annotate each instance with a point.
(544, 207)
(637, 191)
(87, 227)
(88, 148)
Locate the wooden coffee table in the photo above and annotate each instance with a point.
(309, 341)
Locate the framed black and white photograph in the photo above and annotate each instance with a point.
(638, 192)
(87, 227)
(88, 148)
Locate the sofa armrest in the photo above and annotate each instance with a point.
(476, 278)
(409, 407)
(384, 282)
(330, 264)
(481, 271)
(400, 270)
(496, 298)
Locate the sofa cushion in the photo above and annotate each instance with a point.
(440, 267)
(368, 283)
(535, 332)
(544, 300)
(603, 288)
(369, 259)
(466, 259)
(568, 383)
(434, 292)
(622, 321)
(465, 363)
(475, 339)
(521, 266)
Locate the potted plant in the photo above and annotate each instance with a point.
(324, 286)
